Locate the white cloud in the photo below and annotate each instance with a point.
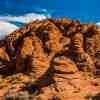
(23, 19)
(98, 23)
(6, 28)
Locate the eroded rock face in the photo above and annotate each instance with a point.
(49, 51)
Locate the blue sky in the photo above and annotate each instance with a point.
(84, 10)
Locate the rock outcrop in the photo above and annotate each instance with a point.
(60, 55)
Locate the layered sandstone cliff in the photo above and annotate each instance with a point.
(59, 59)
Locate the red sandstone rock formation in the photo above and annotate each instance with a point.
(52, 50)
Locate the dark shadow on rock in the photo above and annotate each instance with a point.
(97, 97)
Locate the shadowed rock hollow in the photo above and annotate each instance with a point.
(52, 59)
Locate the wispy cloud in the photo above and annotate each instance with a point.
(23, 19)
(98, 23)
(6, 27)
